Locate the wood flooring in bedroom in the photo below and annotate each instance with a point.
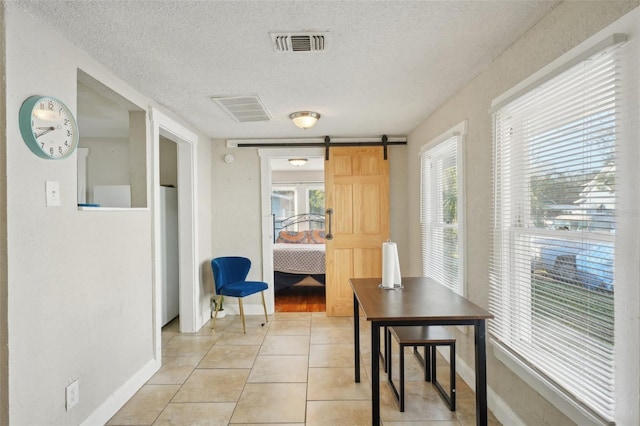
(301, 299)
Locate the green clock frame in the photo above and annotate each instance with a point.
(48, 127)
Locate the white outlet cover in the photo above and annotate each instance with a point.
(73, 395)
(52, 189)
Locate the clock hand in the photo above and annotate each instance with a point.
(47, 130)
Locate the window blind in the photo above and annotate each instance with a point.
(553, 233)
(441, 258)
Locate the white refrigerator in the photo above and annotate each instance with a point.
(169, 259)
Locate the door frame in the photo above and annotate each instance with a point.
(266, 155)
(186, 144)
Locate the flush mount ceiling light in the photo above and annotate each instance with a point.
(298, 161)
(305, 119)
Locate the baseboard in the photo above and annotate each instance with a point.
(123, 394)
(204, 318)
(500, 409)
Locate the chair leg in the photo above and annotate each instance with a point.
(264, 305)
(244, 327)
(218, 303)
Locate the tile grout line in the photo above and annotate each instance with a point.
(185, 380)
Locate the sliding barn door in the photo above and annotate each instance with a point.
(357, 193)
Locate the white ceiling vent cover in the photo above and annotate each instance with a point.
(299, 42)
(244, 109)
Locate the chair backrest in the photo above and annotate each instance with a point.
(229, 269)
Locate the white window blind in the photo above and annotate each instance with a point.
(552, 262)
(441, 257)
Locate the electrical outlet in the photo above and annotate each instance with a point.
(52, 189)
(73, 395)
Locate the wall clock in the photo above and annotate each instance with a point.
(48, 127)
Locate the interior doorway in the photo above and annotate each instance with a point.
(190, 311)
(169, 237)
(297, 209)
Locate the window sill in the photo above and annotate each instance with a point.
(556, 396)
(112, 209)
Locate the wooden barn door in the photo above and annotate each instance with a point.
(357, 192)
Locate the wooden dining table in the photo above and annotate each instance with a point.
(421, 301)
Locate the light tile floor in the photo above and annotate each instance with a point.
(296, 370)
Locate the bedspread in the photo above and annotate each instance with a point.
(299, 258)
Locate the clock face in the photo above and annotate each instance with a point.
(48, 127)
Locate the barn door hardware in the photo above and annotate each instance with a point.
(329, 214)
(325, 143)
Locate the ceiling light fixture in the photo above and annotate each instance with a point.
(298, 161)
(304, 119)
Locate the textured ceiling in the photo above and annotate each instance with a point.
(387, 65)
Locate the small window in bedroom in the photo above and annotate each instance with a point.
(296, 191)
(295, 199)
(315, 204)
(283, 202)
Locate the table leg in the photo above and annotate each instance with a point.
(356, 336)
(375, 373)
(481, 373)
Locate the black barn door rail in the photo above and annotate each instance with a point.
(326, 144)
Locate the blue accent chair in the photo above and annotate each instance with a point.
(229, 274)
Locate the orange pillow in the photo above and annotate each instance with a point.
(316, 236)
(292, 237)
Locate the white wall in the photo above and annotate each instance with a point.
(297, 176)
(399, 195)
(108, 162)
(236, 216)
(564, 27)
(4, 342)
(168, 162)
(235, 194)
(79, 282)
(206, 205)
(77, 279)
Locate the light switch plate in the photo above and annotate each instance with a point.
(52, 189)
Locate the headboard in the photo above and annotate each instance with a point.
(311, 236)
(301, 229)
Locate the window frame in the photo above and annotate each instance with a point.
(459, 132)
(627, 377)
(288, 187)
(301, 199)
(308, 188)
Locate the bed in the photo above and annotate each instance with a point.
(298, 251)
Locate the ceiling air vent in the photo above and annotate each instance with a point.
(244, 109)
(299, 42)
